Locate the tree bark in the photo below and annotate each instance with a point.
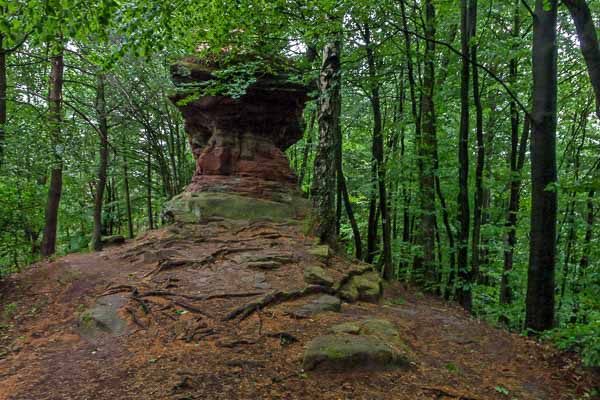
(588, 41)
(306, 151)
(464, 274)
(517, 159)
(103, 167)
(539, 313)
(48, 246)
(3, 94)
(149, 189)
(323, 186)
(127, 194)
(478, 198)
(378, 158)
(426, 151)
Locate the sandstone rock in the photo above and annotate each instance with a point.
(322, 251)
(193, 207)
(103, 318)
(351, 352)
(320, 304)
(265, 265)
(366, 345)
(240, 136)
(380, 328)
(114, 239)
(364, 287)
(317, 276)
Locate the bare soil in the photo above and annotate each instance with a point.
(179, 346)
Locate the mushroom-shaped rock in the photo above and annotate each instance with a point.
(239, 137)
(238, 141)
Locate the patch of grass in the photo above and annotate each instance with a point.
(10, 310)
(452, 368)
(398, 301)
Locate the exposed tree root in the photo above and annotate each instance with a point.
(276, 297)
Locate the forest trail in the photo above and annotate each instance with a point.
(177, 345)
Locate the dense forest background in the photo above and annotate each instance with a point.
(434, 134)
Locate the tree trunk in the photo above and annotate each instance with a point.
(539, 313)
(103, 167)
(426, 150)
(48, 246)
(588, 41)
(464, 274)
(306, 151)
(3, 93)
(378, 158)
(478, 198)
(350, 212)
(323, 186)
(149, 190)
(517, 162)
(517, 159)
(127, 194)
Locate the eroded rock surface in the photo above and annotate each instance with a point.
(241, 137)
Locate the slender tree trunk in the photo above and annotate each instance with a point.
(517, 158)
(518, 152)
(464, 274)
(478, 200)
(378, 158)
(149, 190)
(3, 93)
(407, 230)
(307, 147)
(584, 261)
(127, 194)
(103, 167)
(539, 313)
(588, 40)
(427, 152)
(48, 246)
(350, 212)
(323, 186)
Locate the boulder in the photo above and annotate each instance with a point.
(315, 275)
(322, 252)
(370, 344)
(380, 328)
(351, 352)
(366, 286)
(103, 319)
(192, 208)
(320, 304)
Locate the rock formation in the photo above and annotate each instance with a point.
(239, 143)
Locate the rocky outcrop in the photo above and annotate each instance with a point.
(103, 318)
(240, 137)
(371, 344)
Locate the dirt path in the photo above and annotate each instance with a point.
(179, 347)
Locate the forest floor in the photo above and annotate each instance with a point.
(177, 345)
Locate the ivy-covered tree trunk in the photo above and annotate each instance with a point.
(588, 40)
(323, 185)
(48, 246)
(539, 312)
(103, 166)
(464, 274)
